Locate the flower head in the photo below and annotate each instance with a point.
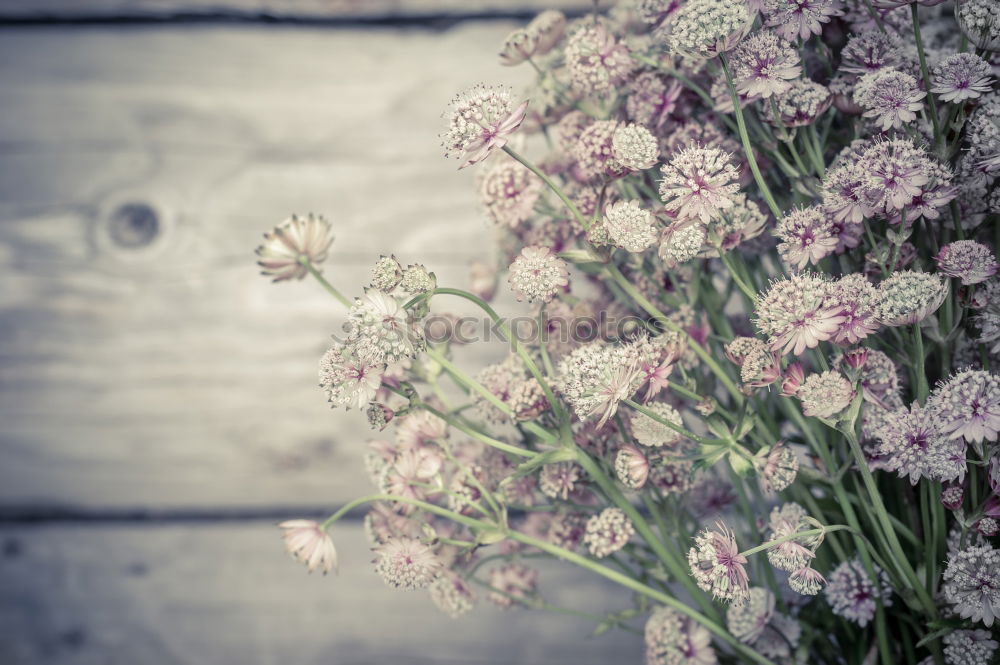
(763, 65)
(699, 182)
(972, 583)
(596, 377)
(747, 621)
(509, 192)
(913, 442)
(386, 274)
(806, 237)
(481, 120)
(796, 313)
(806, 581)
(794, 19)
(597, 62)
(717, 565)
(969, 647)
(650, 432)
(635, 147)
(309, 543)
(858, 301)
(961, 76)
(870, 51)
(594, 151)
(559, 480)
(776, 468)
(896, 172)
(537, 274)
(675, 639)
(682, 242)
(608, 532)
(980, 22)
(791, 555)
(517, 581)
(890, 96)
(967, 260)
(705, 28)
(629, 226)
(406, 563)
(379, 329)
(825, 395)
(652, 99)
(349, 380)
(295, 238)
(801, 104)
(852, 594)
(631, 466)
(452, 594)
(968, 406)
(909, 297)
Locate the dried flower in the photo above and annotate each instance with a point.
(481, 120)
(307, 238)
(971, 583)
(406, 563)
(699, 182)
(608, 532)
(717, 565)
(961, 76)
(309, 543)
(968, 260)
(537, 274)
(890, 96)
(852, 594)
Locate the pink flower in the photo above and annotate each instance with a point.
(306, 237)
(481, 120)
(717, 565)
(797, 315)
(309, 543)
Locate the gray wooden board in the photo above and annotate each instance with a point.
(172, 374)
(228, 594)
(297, 9)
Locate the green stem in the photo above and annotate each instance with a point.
(922, 388)
(476, 434)
(307, 264)
(931, 104)
(747, 290)
(794, 536)
(470, 522)
(663, 421)
(584, 222)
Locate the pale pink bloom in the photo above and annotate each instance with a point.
(699, 182)
(968, 406)
(309, 543)
(295, 238)
(517, 582)
(763, 65)
(796, 313)
(799, 19)
(407, 563)
(807, 237)
(631, 466)
(409, 472)
(537, 274)
(968, 260)
(825, 395)
(893, 98)
(481, 120)
(717, 565)
(418, 429)
(349, 380)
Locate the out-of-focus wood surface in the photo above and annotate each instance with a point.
(227, 594)
(155, 367)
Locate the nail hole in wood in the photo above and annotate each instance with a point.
(133, 225)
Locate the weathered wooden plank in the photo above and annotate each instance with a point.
(288, 9)
(228, 594)
(158, 369)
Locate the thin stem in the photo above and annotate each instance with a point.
(307, 264)
(931, 104)
(922, 388)
(543, 342)
(476, 434)
(795, 536)
(663, 421)
(552, 185)
(747, 290)
(470, 522)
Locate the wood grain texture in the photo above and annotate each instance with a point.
(288, 9)
(229, 595)
(158, 369)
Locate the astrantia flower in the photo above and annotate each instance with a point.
(969, 647)
(347, 379)
(537, 274)
(517, 581)
(717, 565)
(968, 260)
(825, 395)
(509, 192)
(910, 297)
(890, 96)
(777, 468)
(791, 555)
(517, 47)
(806, 581)
(796, 314)
(380, 330)
(547, 29)
(594, 152)
(858, 301)
(980, 22)
(417, 279)
(972, 583)
(852, 594)
(452, 594)
(806, 237)
(386, 274)
(705, 28)
(629, 226)
(763, 65)
(844, 193)
(481, 120)
(406, 563)
(652, 99)
(608, 532)
(309, 543)
(682, 242)
(795, 19)
(896, 170)
(675, 639)
(747, 621)
(699, 183)
(559, 479)
(631, 466)
(650, 432)
(801, 104)
(596, 377)
(961, 76)
(761, 367)
(306, 237)
(597, 62)
(968, 405)
(913, 443)
(870, 51)
(635, 147)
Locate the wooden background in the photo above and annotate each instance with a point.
(158, 408)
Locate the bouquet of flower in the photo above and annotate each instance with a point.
(756, 243)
